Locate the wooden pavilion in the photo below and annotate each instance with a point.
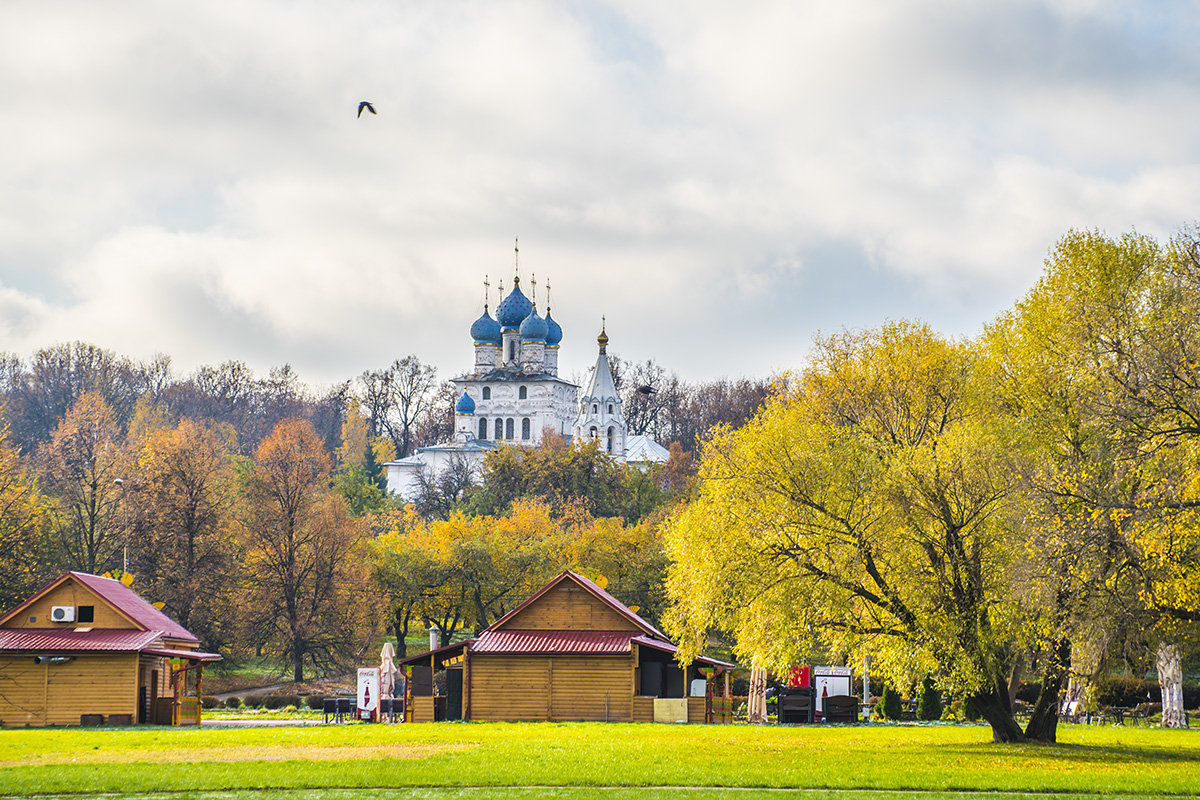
(88, 650)
(570, 652)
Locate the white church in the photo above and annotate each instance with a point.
(514, 396)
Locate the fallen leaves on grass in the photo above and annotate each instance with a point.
(282, 752)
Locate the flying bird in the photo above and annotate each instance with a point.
(647, 389)
(367, 106)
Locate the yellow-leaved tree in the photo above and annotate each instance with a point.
(864, 510)
(1099, 367)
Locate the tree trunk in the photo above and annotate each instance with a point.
(1014, 677)
(1170, 678)
(400, 620)
(298, 666)
(1043, 723)
(995, 707)
(757, 705)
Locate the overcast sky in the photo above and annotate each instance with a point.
(722, 180)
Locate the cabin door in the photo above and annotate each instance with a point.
(454, 694)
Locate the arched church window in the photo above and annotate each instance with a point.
(512, 348)
(483, 427)
(592, 432)
(610, 440)
(522, 393)
(499, 429)
(595, 408)
(487, 393)
(610, 408)
(525, 428)
(508, 429)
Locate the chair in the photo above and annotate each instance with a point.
(841, 708)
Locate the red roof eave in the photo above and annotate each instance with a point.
(191, 655)
(44, 640)
(542, 642)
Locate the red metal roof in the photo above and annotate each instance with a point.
(58, 640)
(553, 642)
(130, 603)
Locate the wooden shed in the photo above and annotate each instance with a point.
(570, 652)
(88, 650)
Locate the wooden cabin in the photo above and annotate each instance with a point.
(87, 650)
(570, 652)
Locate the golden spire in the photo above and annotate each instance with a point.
(602, 339)
(517, 262)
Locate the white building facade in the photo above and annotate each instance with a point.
(514, 396)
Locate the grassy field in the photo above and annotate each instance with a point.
(577, 760)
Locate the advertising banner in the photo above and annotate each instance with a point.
(368, 693)
(829, 681)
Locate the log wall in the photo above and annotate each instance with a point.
(567, 607)
(557, 688)
(57, 694)
(70, 593)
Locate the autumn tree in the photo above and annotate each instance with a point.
(182, 506)
(865, 510)
(414, 573)
(42, 390)
(23, 527)
(562, 474)
(396, 398)
(80, 467)
(1097, 363)
(306, 565)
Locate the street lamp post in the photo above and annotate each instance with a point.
(120, 483)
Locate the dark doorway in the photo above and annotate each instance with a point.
(454, 694)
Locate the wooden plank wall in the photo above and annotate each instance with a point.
(643, 709)
(559, 688)
(422, 709)
(56, 694)
(567, 607)
(70, 593)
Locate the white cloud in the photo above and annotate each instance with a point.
(192, 179)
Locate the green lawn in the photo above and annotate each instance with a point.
(578, 760)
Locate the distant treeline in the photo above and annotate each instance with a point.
(404, 402)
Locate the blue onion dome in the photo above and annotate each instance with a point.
(553, 330)
(485, 330)
(465, 404)
(534, 329)
(514, 308)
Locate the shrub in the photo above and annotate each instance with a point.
(1029, 692)
(929, 707)
(253, 701)
(209, 702)
(315, 701)
(290, 709)
(891, 703)
(276, 701)
(1125, 690)
(970, 710)
(233, 702)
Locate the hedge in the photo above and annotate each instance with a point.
(1121, 690)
